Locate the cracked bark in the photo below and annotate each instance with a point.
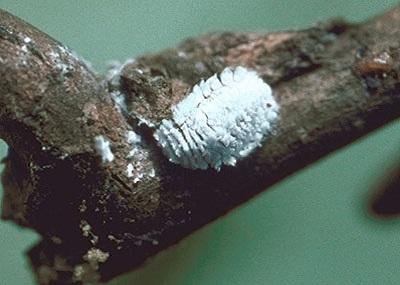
(334, 82)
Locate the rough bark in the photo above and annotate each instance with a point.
(334, 82)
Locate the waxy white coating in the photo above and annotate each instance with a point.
(221, 121)
(103, 149)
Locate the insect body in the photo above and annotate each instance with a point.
(222, 120)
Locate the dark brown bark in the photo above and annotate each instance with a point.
(334, 82)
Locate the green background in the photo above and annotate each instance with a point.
(312, 228)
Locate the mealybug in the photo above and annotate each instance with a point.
(221, 121)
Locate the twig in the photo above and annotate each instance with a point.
(386, 201)
(334, 83)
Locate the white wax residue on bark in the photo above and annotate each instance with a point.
(103, 149)
(221, 121)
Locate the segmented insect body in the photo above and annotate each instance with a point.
(221, 121)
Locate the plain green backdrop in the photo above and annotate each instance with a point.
(312, 228)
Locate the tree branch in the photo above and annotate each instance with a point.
(334, 83)
(385, 201)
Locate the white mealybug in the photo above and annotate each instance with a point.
(221, 121)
